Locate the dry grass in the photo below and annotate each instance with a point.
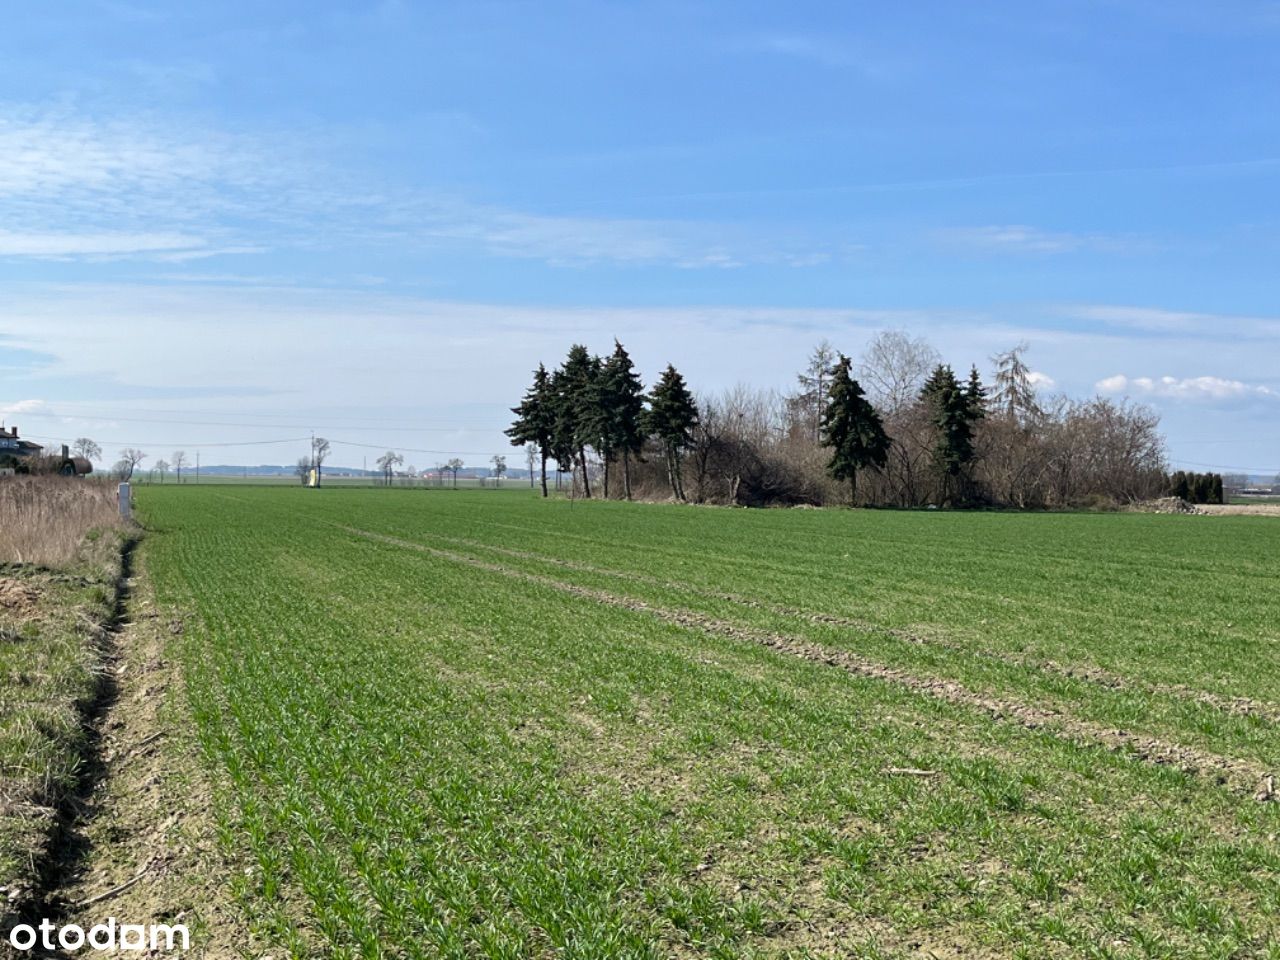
(44, 520)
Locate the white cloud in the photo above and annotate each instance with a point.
(1204, 389)
(1041, 380)
(61, 245)
(1018, 238)
(78, 186)
(22, 406)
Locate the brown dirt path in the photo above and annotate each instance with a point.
(144, 847)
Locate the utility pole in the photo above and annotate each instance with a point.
(197, 466)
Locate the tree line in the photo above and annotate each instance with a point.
(1196, 487)
(897, 427)
(596, 404)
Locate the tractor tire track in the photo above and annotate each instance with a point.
(1098, 676)
(1240, 776)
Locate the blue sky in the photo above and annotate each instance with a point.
(234, 222)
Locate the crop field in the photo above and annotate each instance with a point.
(478, 724)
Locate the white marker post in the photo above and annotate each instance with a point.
(123, 498)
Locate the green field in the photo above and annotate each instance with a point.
(478, 724)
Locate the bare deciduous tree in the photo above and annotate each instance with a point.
(894, 367)
(179, 461)
(319, 453)
(131, 457)
(531, 457)
(454, 466)
(84, 447)
(302, 470)
(499, 467)
(387, 463)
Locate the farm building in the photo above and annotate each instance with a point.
(11, 445)
(24, 456)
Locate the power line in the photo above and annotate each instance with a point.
(274, 416)
(212, 423)
(179, 443)
(1220, 466)
(383, 446)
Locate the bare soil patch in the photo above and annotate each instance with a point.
(17, 598)
(143, 842)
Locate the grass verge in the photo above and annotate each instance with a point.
(55, 676)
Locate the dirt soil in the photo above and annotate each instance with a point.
(145, 846)
(18, 598)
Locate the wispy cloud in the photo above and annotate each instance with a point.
(1018, 238)
(67, 245)
(1204, 389)
(73, 186)
(1172, 323)
(823, 49)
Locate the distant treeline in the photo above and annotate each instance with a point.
(1196, 487)
(897, 427)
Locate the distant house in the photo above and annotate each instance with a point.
(18, 455)
(11, 445)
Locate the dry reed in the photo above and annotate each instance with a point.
(44, 520)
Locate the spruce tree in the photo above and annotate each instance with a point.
(851, 427)
(954, 410)
(617, 413)
(564, 448)
(975, 395)
(1201, 487)
(536, 419)
(671, 417)
(576, 405)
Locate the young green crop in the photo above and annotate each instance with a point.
(477, 724)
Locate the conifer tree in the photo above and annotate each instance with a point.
(1014, 395)
(954, 410)
(975, 395)
(617, 413)
(671, 417)
(536, 420)
(563, 450)
(851, 427)
(1201, 487)
(576, 406)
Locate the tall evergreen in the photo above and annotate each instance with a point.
(852, 428)
(536, 419)
(616, 419)
(576, 405)
(564, 450)
(671, 417)
(954, 409)
(975, 395)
